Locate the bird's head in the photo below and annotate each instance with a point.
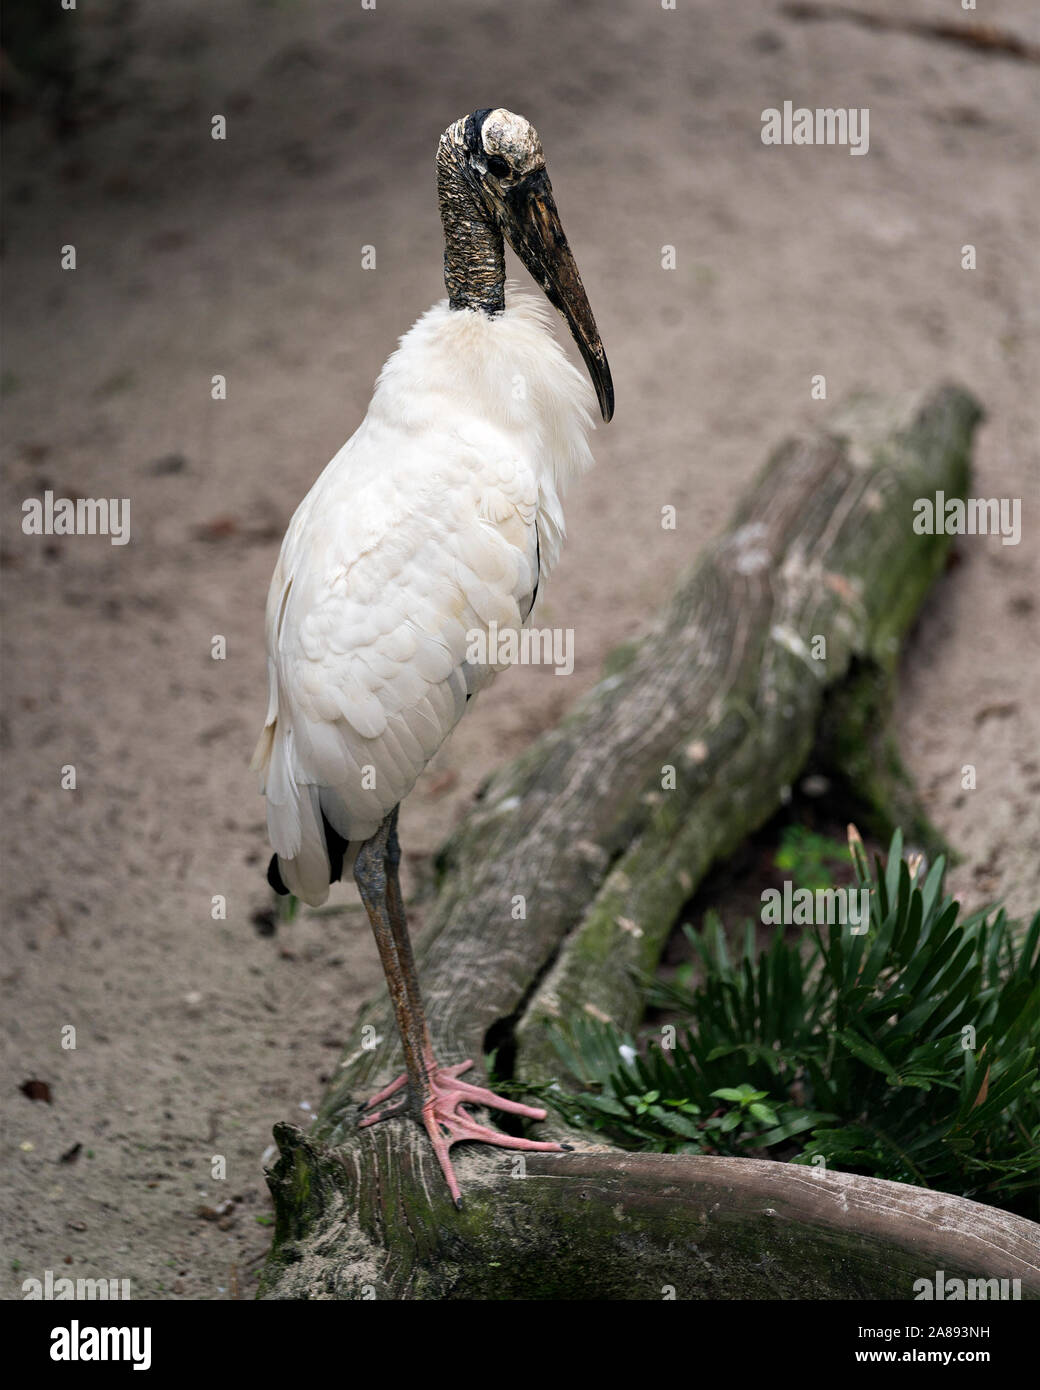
(499, 156)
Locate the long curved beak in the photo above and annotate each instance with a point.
(531, 225)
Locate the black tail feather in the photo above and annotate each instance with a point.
(337, 848)
(274, 877)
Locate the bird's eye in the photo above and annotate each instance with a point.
(497, 166)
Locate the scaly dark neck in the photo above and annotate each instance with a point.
(474, 257)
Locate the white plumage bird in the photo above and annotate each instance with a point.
(437, 519)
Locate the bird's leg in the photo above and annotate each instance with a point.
(405, 969)
(435, 1095)
(370, 874)
(403, 942)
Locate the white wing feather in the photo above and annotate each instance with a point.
(419, 532)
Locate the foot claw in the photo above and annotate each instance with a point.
(400, 1108)
(447, 1120)
(386, 1092)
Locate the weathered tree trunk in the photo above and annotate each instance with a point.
(726, 689)
(608, 1225)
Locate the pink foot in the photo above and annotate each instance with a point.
(447, 1123)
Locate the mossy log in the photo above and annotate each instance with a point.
(722, 698)
(608, 1225)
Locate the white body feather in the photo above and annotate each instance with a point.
(423, 528)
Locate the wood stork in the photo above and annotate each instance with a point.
(435, 520)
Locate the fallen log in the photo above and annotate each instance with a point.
(561, 885)
(608, 1225)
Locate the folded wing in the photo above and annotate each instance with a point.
(386, 574)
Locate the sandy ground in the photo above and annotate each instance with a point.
(243, 257)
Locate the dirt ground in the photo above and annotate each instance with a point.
(242, 258)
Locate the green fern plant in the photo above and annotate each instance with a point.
(808, 857)
(908, 1052)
